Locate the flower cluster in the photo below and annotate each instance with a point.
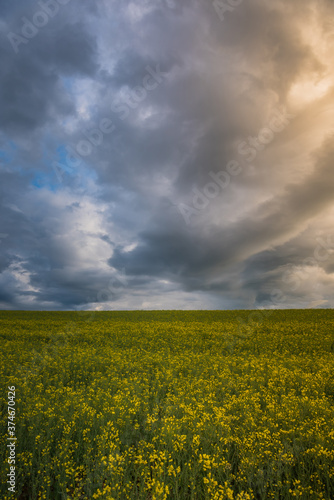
(154, 405)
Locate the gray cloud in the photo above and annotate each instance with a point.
(105, 230)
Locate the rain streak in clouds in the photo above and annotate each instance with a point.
(166, 155)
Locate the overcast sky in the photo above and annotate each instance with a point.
(166, 155)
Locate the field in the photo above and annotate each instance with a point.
(168, 405)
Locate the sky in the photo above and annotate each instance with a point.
(161, 154)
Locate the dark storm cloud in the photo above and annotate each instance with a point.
(273, 222)
(112, 208)
(30, 79)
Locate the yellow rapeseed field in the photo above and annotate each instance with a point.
(169, 405)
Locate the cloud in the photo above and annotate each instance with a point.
(102, 229)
